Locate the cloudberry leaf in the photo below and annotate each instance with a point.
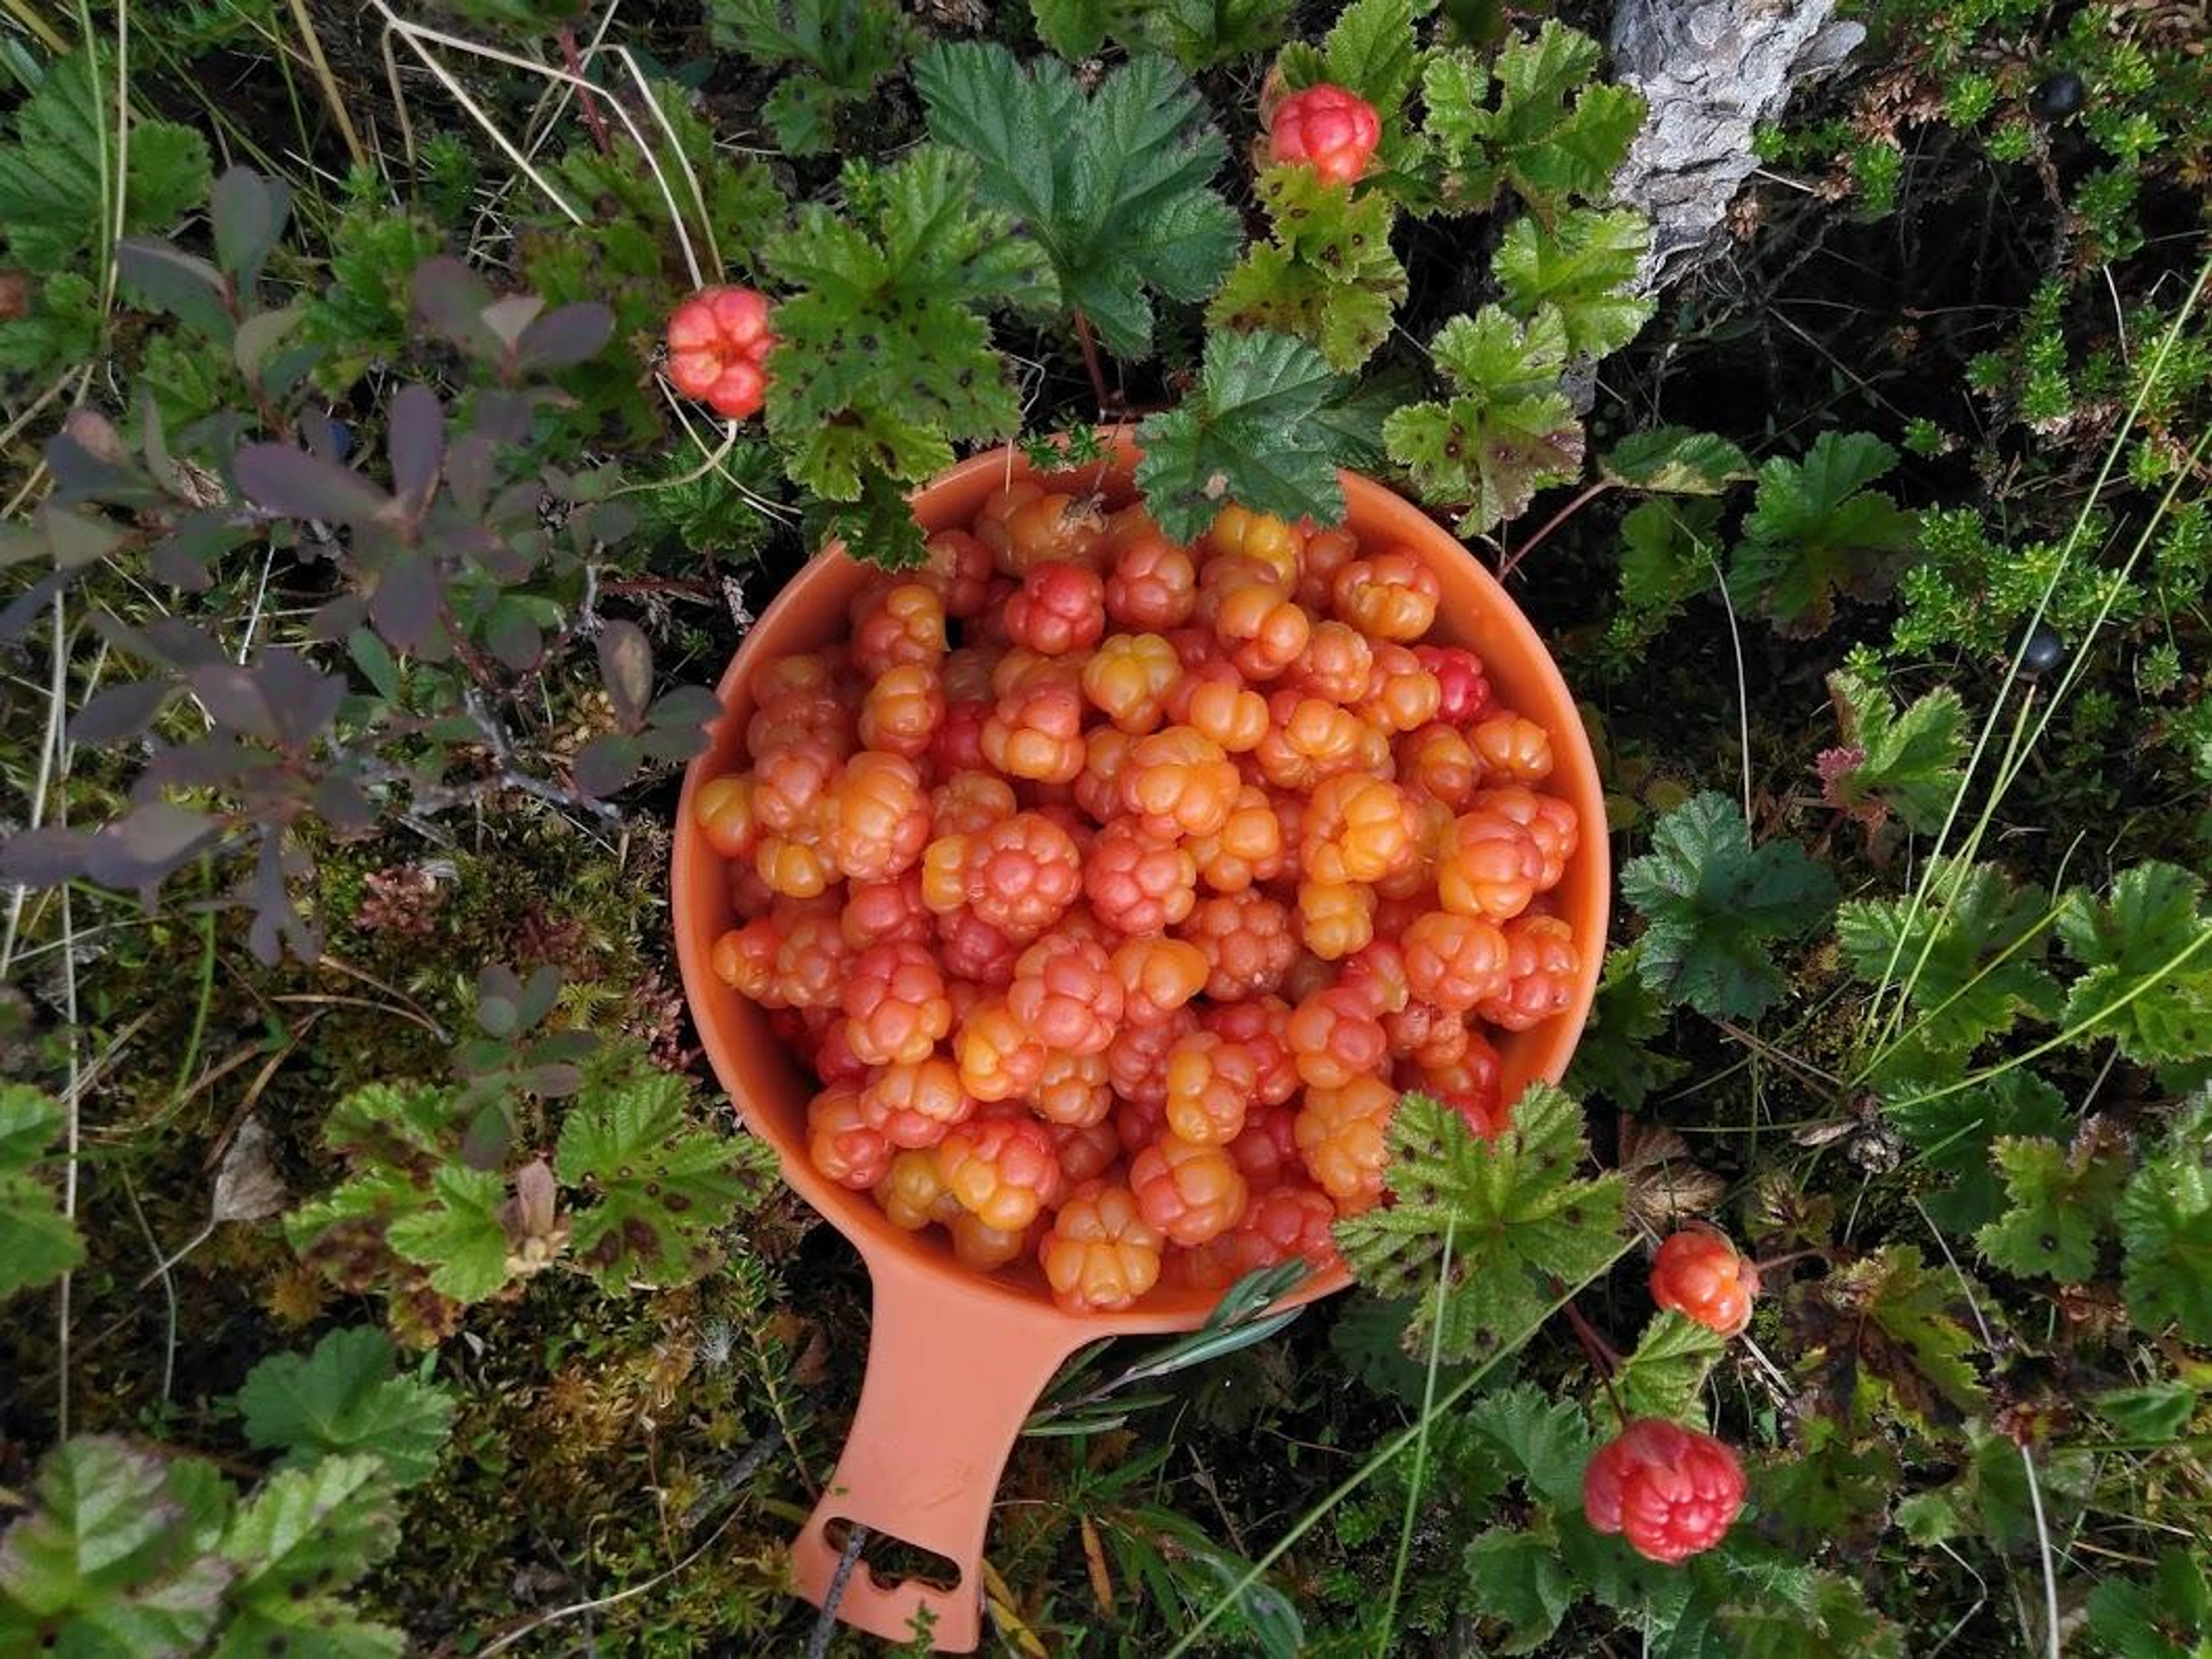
(663, 1184)
(1371, 49)
(1829, 1620)
(1582, 268)
(2165, 1228)
(62, 325)
(49, 177)
(1111, 185)
(1518, 1218)
(2157, 1412)
(878, 528)
(1907, 760)
(304, 1535)
(2165, 1616)
(1518, 1578)
(1077, 28)
(1967, 951)
(1669, 550)
(2149, 952)
(2059, 1203)
(344, 1397)
(1989, 1498)
(1712, 903)
(1328, 276)
(1538, 1438)
(114, 1555)
(1815, 531)
(884, 357)
(824, 54)
(1367, 1338)
(1887, 1335)
(1556, 132)
(457, 1234)
(1675, 460)
(1612, 1060)
(1954, 1134)
(38, 1242)
(1201, 33)
(1829, 1489)
(1257, 428)
(1508, 430)
(1665, 1373)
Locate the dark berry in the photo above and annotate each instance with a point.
(2044, 652)
(2057, 98)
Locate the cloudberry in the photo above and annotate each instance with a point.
(792, 785)
(744, 959)
(1285, 1222)
(841, 1143)
(902, 710)
(1023, 874)
(1491, 867)
(877, 817)
(1698, 1274)
(1308, 739)
(1036, 733)
(1101, 1254)
(1089, 1151)
(723, 809)
(1335, 665)
(1262, 628)
(912, 1193)
(1154, 585)
(1378, 973)
(1454, 961)
(1247, 848)
(1327, 552)
(1188, 1192)
(1401, 695)
(1066, 994)
(1262, 1025)
(1178, 783)
(1541, 966)
(1670, 1490)
(1238, 533)
(895, 1004)
(1464, 691)
(977, 1244)
(1512, 749)
(914, 1103)
(901, 624)
(959, 568)
(1439, 761)
(998, 1059)
(1551, 823)
(1355, 829)
(1214, 701)
(1158, 976)
(1138, 883)
(1249, 940)
(968, 801)
(1002, 1170)
(1129, 677)
(1335, 1037)
(1137, 1063)
(956, 745)
(1212, 1083)
(1335, 918)
(1060, 608)
(1074, 1091)
(1266, 1150)
(810, 963)
(972, 949)
(1326, 128)
(1048, 526)
(1341, 1135)
(718, 347)
(1392, 596)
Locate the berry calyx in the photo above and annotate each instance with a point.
(718, 346)
(1670, 1491)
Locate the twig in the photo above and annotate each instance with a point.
(592, 119)
(325, 81)
(1090, 362)
(856, 1539)
(1511, 562)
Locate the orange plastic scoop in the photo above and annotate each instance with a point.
(956, 1360)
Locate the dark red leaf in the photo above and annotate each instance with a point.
(404, 606)
(121, 711)
(626, 669)
(282, 479)
(418, 444)
(234, 696)
(573, 334)
(605, 764)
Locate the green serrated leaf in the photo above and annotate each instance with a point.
(1371, 49)
(1831, 1620)
(1612, 1059)
(1886, 1333)
(1199, 34)
(1815, 531)
(1518, 1578)
(1954, 1134)
(1076, 29)
(1582, 268)
(457, 1234)
(2149, 952)
(52, 210)
(344, 1397)
(1712, 903)
(62, 326)
(1254, 430)
(2167, 1615)
(1666, 1373)
(2165, 1227)
(1520, 1218)
(1329, 276)
(1967, 951)
(1674, 460)
(112, 1559)
(1543, 1441)
(2059, 1204)
(663, 1183)
(884, 357)
(1508, 429)
(1907, 760)
(38, 1242)
(306, 1534)
(1831, 1490)
(2156, 1413)
(827, 53)
(1556, 132)
(1111, 185)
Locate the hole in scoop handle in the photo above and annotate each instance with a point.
(953, 1374)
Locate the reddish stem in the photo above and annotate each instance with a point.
(1763, 1267)
(573, 60)
(1511, 562)
(1090, 362)
(1604, 1358)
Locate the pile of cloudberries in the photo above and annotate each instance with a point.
(1113, 888)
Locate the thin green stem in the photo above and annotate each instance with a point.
(206, 991)
(1421, 1444)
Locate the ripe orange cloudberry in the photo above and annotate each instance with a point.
(1188, 1192)
(1059, 608)
(895, 1009)
(1542, 963)
(1392, 596)
(1212, 1083)
(1455, 962)
(1249, 941)
(1341, 1136)
(1512, 749)
(1673, 1492)
(841, 1143)
(1698, 1274)
(911, 1103)
(1066, 994)
(718, 347)
(1334, 1036)
(1178, 782)
(1101, 1254)
(1023, 874)
(1002, 1170)
(1491, 867)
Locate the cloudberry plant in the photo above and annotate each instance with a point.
(911, 1103)
(1342, 1134)
(1003, 1170)
(1212, 1083)
(1250, 942)
(1188, 1192)
(1541, 965)
(895, 1009)
(1671, 1491)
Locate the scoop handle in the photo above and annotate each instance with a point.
(953, 1371)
